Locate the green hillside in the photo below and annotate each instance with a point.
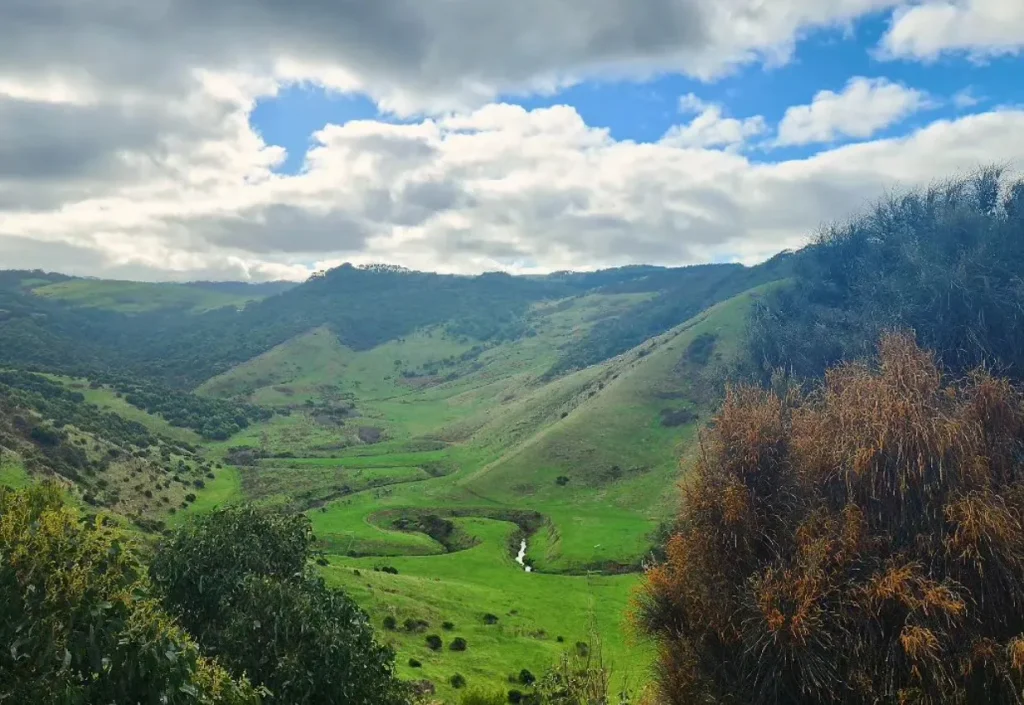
(435, 452)
(135, 297)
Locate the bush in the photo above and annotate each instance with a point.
(582, 649)
(458, 644)
(875, 543)
(92, 633)
(457, 681)
(434, 642)
(945, 262)
(526, 678)
(415, 625)
(561, 480)
(238, 578)
(390, 623)
(447, 626)
(490, 618)
(515, 696)
(414, 663)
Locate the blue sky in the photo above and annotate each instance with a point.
(256, 139)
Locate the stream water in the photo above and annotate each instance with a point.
(522, 555)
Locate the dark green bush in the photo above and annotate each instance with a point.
(238, 578)
(434, 642)
(458, 644)
(457, 681)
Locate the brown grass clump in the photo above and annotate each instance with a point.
(863, 543)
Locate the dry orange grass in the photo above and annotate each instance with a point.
(859, 544)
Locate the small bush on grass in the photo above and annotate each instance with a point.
(434, 642)
(415, 663)
(457, 681)
(458, 644)
(447, 626)
(390, 623)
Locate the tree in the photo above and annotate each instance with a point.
(77, 621)
(239, 579)
(862, 543)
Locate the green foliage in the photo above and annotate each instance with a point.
(434, 642)
(457, 681)
(945, 262)
(76, 619)
(238, 578)
(458, 644)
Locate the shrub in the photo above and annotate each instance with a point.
(458, 644)
(490, 618)
(390, 623)
(943, 261)
(415, 625)
(576, 680)
(78, 621)
(239, 580)
(447, 626)
(526, 678)
(457, 681)
(582, 649)
(561, 480)
(875, 543)
(515, 696)
(434, 642)
(414, 663)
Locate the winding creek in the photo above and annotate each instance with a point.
(522, 556)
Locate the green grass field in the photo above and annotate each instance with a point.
(136, 297)
(12, 473)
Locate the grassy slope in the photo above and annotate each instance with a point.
(135, 297)
(12, 473)
(501, 436)
(509, 437)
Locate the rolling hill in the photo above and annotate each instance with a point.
(425, 422)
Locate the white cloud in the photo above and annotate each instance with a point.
(965, 98)
(126, 147)
(865, 106)
(981, 28)
(409, 55)
(710, 127)
(493, 188)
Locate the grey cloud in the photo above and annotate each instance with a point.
(426, 52)
(280, 228)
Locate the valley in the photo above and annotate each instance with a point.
(425, 462)
(503, 472)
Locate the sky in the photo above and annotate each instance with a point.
(174, 140)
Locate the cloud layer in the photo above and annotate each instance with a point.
(126, 147)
